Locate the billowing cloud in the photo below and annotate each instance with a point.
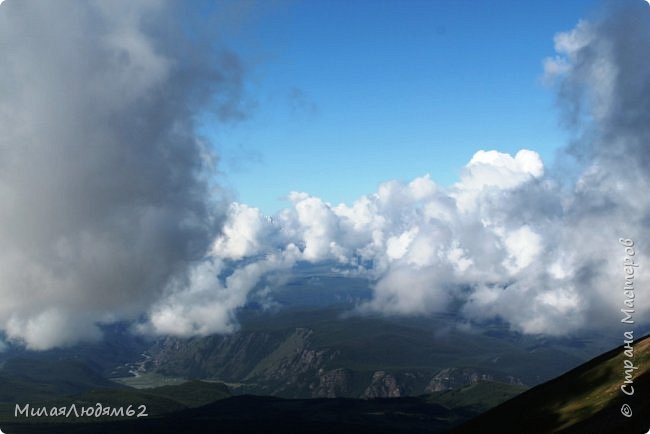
(418, 242)
(241, 235)
(105, 192)
(203, 304)
(510, 241)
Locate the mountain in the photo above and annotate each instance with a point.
(23, 379)
(108, 356)
(477, 397)
(326, 352)
(159, 400)
(585, 400)
(29, 384)
(199, 406)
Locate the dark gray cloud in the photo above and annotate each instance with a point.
(607, 84)
(105, 188)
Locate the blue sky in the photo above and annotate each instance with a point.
(350, 94)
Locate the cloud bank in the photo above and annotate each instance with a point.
(105, 194)
(108, 212)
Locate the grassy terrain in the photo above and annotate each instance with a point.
(27, 379)
(478, 397)
(585, 400)
(42, 383)
(149, 380)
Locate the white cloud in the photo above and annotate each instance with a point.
(52, 327)
(495, 171)
(403, 291)
(458, 258)
(493, 168)
(408, 228)
(397, 246)
(204, 305)
(318, 222)
(567, 47)
(241, 233)
(523, 246)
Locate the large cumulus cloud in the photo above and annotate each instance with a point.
(105, 193)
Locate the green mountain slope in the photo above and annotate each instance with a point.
(47, 383)
(586, 400)
(159, 400)
(324, 353)
(24, 379)
(478, 397)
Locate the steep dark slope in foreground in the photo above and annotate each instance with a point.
(585, 400)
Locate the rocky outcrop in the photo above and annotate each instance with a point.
(298, 363)
(455, 378)
(229, 358)
(332, 384)
(291, 369)
(383, 385)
